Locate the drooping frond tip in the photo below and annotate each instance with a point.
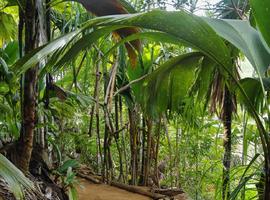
(113, 7)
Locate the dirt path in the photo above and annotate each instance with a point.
(89, 191)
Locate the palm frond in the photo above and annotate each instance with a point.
(16, 180)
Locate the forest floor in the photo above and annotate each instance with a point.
(90, 191)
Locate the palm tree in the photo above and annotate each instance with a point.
(16, 181)
(31, 17)
(222, 98)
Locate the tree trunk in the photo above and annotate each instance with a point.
(170, 150)
(156, 170)
(227, 122)
(116, 137)
(40, 141)
(138, 190)
(133, 145)
(147, 160)
(123, 143)
(96, 97)
(267, 184)
(97, 93)
(32, 41)
(105, 167)
(143, 154)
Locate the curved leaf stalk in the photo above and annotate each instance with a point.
(262, 132)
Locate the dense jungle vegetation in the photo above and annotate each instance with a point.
(167, 94)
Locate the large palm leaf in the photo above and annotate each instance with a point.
(168, 87)
(261, 12)
(187, 28)
(15, 179)
(191, 30)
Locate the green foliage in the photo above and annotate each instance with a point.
(245, 178)
(231, 9)
(188, 31)
(244, 37)
(168, 86)
(15, 179)
(8, 27)
(4, 88)
(261, 11)
(10, 53)
(68, 176)
(63, 169)
(254, 91)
